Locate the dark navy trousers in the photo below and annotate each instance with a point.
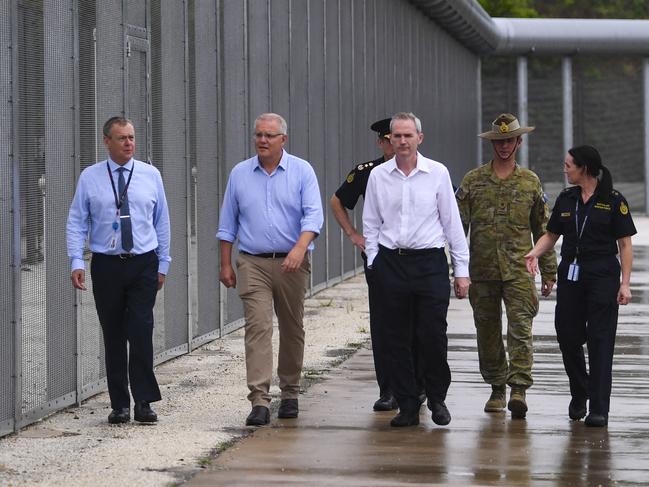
(586, 313)
(125, 291)
(414, 291)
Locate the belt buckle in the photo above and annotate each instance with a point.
(125, 256)
(399, 252)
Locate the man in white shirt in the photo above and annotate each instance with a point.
(410, 214)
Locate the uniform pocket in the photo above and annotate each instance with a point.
(520, 207)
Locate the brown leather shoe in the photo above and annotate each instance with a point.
(288, 409)
(259, 416)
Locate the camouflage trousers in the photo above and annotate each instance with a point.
(521, 305)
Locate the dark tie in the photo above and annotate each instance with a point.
(125, 216)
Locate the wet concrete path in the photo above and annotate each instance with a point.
(339, 440)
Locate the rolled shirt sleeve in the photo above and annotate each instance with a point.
(312, 217)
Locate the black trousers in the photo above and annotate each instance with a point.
(379, 340)
(125, 291)
(586, 313)
(377, 334)
(416, 284)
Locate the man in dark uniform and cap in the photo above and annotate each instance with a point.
(345, 198)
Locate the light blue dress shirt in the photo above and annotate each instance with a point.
(93, 212)
(268, 212)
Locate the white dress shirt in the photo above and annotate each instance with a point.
(417, 211)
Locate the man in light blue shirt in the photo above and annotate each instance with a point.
(120, 207)
(272, 205)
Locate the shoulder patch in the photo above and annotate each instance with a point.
(624, 209)
(350, 178)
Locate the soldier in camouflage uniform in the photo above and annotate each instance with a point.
(501, 205)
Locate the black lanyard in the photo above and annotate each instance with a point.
(583, 225)
(119, 202)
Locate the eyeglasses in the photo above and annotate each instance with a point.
(264, 135)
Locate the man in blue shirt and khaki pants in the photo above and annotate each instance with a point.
(272, 205)
(120, 207)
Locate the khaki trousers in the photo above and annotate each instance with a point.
(262, 287)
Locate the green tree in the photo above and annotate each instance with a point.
(509, 8)
(586, 9)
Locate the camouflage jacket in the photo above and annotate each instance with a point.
(501, 216)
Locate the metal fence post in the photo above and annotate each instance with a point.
(646, 134)
(16, 218)
(521, 68)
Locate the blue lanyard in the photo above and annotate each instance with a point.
(119, 202)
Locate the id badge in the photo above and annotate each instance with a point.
(573, 272)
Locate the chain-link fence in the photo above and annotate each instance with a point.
(192, 75)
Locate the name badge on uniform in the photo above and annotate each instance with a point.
(573, 271)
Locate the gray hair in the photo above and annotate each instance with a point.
(406, 116)
(274, 117)
(115, 121)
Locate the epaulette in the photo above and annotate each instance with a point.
(615, 193)
(569, 189)
(360, 167)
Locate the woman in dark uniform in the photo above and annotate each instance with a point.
(596, 223)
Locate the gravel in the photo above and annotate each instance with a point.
(203, 409)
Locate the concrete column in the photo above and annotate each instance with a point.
(566, 82)
(521, 65)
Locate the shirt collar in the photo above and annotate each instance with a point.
(422, 165)
(283, 162)
(114, 166)
(496, 179)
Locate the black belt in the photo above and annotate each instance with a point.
(267, 255)
(430, 251)
(125, 256)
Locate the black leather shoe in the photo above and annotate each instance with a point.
(596, 420)
(143, 413)
(288, 409)
(118, 416)
(422, 398)
(577, 408)
(405, 419)
(440, 415)
(259, 416)
(386, 403)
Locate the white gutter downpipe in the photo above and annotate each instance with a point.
(566, 83)
(571, 36)
(521, 68)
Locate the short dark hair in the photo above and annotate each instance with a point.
(112, 121)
